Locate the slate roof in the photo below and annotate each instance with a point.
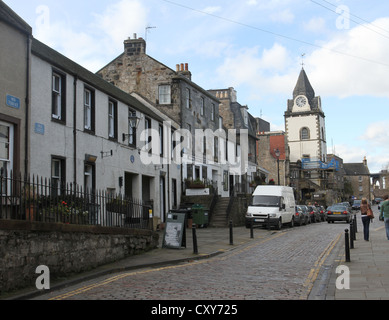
(356, 169)
(63, 63)
(304, 87)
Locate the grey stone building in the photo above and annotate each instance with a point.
(177, 96)
(358, 175)
(236, 116)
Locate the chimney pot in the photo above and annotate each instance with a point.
(186, 67)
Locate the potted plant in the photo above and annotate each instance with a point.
(197, 184)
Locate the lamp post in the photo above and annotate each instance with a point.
(133, 122)
(278, 153)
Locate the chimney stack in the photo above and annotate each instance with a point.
(135, 46)
(183, 69)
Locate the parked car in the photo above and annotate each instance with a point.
(306, 210)
(301, 216)
(347, 204)
(377, 200)
(356, 205)
(323, 213)
(338, 212)
(314, 214)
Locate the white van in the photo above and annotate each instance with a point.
(271, 206)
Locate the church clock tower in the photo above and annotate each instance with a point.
(305, 123)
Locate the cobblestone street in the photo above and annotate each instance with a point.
(282, 266)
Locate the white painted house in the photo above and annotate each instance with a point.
(82, 132)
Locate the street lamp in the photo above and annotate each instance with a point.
(133, 122)
(278, 153)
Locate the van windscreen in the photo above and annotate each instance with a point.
(266, 201)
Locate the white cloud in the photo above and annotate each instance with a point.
(250, 67)
(121, 20)
(377, 134)
(357, 72)
(212, 10)
(100, 40)
(334, 74)
(284, 16)
(316, 25)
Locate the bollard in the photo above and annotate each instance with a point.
(195, 249)
(351, 236)
(347, 245)
(355, 225)
(231, 235)
(252, 229)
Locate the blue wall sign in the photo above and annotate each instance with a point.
(39, 128)
(13, 102)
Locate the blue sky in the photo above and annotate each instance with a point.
(254, 46)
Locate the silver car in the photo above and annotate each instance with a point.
(301, 216)
(338, 212)
(314, 214)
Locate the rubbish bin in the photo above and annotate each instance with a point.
(198, 215)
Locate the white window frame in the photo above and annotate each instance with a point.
(187, 98)
(56, 176)
(57, 96)
(87, 109)
(111, 119)
(164, 94)
(8, 161)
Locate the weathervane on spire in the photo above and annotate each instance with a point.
(302, 60)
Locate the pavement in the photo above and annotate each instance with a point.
(368, 266)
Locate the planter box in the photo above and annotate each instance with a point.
(197, 192)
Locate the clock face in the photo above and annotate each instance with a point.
(301, 101)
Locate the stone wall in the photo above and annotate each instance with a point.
(64, 249)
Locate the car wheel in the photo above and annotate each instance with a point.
(279, 225)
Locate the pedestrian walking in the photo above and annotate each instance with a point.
(384, 213)
(365, 219)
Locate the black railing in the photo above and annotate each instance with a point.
(47, 200)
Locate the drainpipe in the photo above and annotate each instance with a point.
(75, 130)
(27, 102)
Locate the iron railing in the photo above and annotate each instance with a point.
(47, 200)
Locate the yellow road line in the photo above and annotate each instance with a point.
(317, 265)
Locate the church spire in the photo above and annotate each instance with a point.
(303, 86)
